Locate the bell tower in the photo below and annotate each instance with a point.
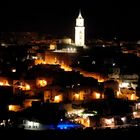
(80, 31)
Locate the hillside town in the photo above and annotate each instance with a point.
(50, 83)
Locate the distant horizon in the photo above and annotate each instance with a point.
(102, 20)
(56, 36)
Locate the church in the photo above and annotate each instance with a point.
(69, 46)
(80, 31)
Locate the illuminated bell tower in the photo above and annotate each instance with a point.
(79, 31)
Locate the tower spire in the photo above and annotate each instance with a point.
(80, 15)
(79, 31)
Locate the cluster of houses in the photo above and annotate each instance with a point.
(89, 100)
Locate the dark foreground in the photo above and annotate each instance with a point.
(86, 134)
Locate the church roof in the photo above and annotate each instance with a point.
(80, 16)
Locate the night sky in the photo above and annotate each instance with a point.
(102, 19)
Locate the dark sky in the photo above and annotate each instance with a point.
(102, 19)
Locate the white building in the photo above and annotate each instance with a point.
(37, 125)
(79, 31)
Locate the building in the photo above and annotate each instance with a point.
(79, 31)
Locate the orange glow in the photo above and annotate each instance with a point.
(97, 95)
(87, 122)
(65, 67)
(103, 96)
(39, 61)
(118, 94)
(58, 98)
(108, 122)
(133, 97)
(10, 107)
(79, 95)
(4, 83)
(100, 80)
(136, 114)
(93, 75)
(128, 94)
(14, 108)
(55, 61)
(52, 46)
(43, 62)
(41, 83)
(76, 96)
(83, 121)
(28, 102)
(25, 87)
